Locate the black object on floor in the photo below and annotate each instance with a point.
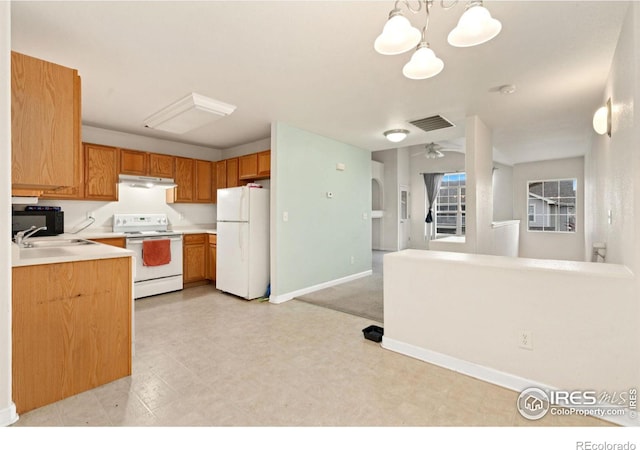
(373, 333)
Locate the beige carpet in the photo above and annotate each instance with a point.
(361, 297)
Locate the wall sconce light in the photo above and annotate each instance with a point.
(602, 119)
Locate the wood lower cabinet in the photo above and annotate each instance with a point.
(212, 263)
(116, 242)
(101, 168)
(194, 258)
(71, 329)
(45, 124)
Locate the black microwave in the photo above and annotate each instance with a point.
(53, 220)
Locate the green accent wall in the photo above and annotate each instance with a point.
(322, 234)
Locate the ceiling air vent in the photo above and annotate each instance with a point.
(432, 123)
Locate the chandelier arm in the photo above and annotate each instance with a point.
(449, 6)
(427, 4)
(408, 5)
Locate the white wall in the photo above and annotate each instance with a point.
(613, 165)
(582, 318)
(502, 192)
(387, 226)
(7, 408)
(549, 245)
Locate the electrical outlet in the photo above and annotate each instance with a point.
(353, 259)
(525, 340)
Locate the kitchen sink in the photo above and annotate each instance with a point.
(48, 243)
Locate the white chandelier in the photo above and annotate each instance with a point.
(476, 26)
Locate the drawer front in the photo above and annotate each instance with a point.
(213, 239)
(195, 238)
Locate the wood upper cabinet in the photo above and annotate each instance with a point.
(203, 192)
(221, 174)
(45, 124)
(248, 167)
(233, 179)
(194, 258)
(133, 162)
(162, 166)
(101, 168)
(264, 164)
(255, 166)
(185, 169)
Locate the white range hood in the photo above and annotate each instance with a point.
(147, 182)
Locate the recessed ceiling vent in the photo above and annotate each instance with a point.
(432, 123)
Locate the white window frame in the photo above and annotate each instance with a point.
(546, 217)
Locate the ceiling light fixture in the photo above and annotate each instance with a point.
(602, 119)
(188, 113)
(476, 26)
(397, 135)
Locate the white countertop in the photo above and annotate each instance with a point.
(54, 255)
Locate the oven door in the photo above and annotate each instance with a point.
(144, 273)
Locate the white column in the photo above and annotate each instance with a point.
(7, 408)
(479, 200)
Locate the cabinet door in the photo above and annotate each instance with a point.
(184, 179)
(101, 172)
(248, 167)
(75, 192)
(264, 164)
(45, 120)
(211, 270)
(232, 173)
(203, 181)
(194, 258)
(133, 162)
(221, 174)
(161, 166)
(71, 329)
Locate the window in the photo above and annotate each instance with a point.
(552, 205)
(450, 207)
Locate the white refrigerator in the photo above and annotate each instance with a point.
(242, 259)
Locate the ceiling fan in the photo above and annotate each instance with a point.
(431, 151)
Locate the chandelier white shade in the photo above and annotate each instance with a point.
(475, 27)
(423, 64)
(398, 35)
(396, 135)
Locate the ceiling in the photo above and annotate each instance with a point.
(311, 64)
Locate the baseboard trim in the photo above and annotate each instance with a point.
(291, 295)
(493, 376)
(8, 415)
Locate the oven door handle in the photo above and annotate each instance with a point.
(140, 240)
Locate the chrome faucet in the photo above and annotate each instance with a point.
(22, 236)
